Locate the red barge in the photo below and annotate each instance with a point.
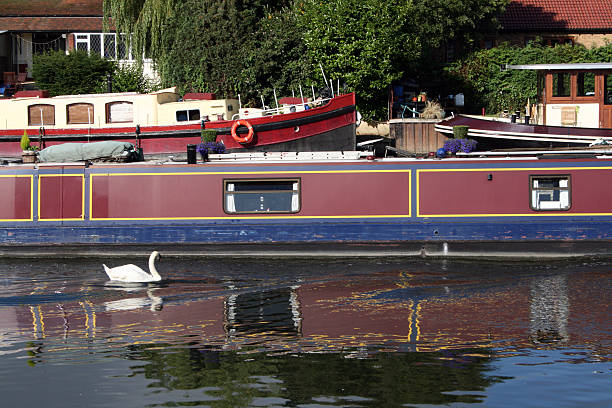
(162, 122)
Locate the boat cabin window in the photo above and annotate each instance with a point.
(549, 193)
(41, 115)
(119, 112)
(262, 196)
(608, 89)
(585, 82)
(186, 115)
(79, 113)
(561, 84)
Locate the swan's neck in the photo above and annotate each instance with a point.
(152, 269)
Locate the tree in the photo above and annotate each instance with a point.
(371, 43)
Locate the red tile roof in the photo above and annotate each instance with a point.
(63, 24)
(20, 8)
(558, 15)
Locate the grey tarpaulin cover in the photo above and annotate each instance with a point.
(70, 152)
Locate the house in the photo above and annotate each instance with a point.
(586, 22)
(35, 26)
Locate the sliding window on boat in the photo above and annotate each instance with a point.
(608, 89)
(187, 115)
(261, 196)
(41, 115)
(561, 84)
(80, 113)
(119, 112)
(550, 193)
(585, 84)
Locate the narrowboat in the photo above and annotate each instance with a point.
(574, 108)
(313, 203)
(163, 122)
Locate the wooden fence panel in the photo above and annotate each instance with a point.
(416, 135)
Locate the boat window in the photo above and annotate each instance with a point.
(80, 113)
(561, 84)
(262, 196)
(549, 193)
(186, 115)
(585, 84)
(41, 115)
(119, 112)
(608, 89)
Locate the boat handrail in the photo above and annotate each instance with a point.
(281, 109)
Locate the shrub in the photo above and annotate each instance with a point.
(209, 135)
(25, 141)
(71, 74)
(460, 131)
(130, 78)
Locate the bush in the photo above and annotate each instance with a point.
(460, 131)
(71, 74)
(209, 135)
(130, 78)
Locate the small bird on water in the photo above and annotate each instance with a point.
(132, 273)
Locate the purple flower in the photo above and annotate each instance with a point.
(455, 145)
(211, 148)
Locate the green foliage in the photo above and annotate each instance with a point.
(71, 74)
(371, 43)
(130, 78)
(25, 141)
(485, 84)
(208, 135)
(365, 43)
(252, 47)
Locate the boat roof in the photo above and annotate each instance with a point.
(562, 67)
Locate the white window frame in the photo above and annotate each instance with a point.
(542, 198)
(85, 38)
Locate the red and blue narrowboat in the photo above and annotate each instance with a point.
(317, 203)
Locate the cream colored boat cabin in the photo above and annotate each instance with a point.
(164, 107)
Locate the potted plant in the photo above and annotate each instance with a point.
(28, 154)
(210, 148)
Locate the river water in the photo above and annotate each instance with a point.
(307, 333)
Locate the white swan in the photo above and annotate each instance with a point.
(132, 273)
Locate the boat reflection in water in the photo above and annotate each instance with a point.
(387, 333)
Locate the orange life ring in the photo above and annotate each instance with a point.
(248, 138)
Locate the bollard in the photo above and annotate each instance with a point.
(191, 154)
(513, 118)
(527, 117)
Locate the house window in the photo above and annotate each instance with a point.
(187, 115)
(105, 45)
(561, 84)
(585, 82)
(79, 113)
(41, 115)
(119, 112)
(550, 193)
(262, 196)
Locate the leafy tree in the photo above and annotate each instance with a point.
(250, 46)
(71, 74)
(371, 43)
